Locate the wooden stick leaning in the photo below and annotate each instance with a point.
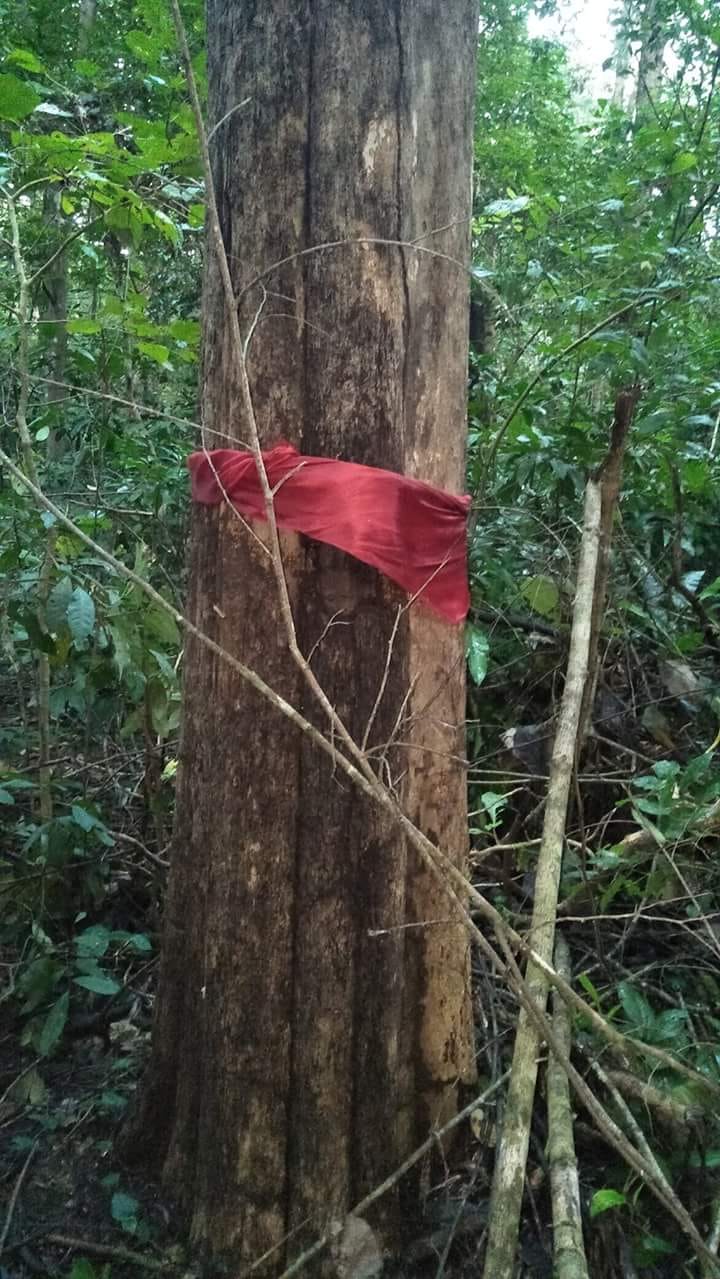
(568, 1245)
(509, 1177)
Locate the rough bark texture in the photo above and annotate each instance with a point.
(297, 1058)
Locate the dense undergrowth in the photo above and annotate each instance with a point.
(595, 267)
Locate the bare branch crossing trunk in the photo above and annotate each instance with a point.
(306, 1039)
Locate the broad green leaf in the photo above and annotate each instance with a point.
(541, 594)
(477, 650)
(17, 99)
(93, 942)
(636, 1008)
(81, 614)
(121, 648)
(6, 797)
(86, 327)
(185, 330)
(124, 1210)
(99, 984)
(604, 1199)
(83, 1269)
(54, 1025)
(57, 605)
(25, 59)
(162, 626)
(682, 162)
(155, 351)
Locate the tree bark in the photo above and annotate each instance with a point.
(653, 38)
(306, 1039)
(622, 54)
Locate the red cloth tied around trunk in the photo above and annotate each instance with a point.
(412, 532)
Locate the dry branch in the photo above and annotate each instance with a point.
(509, 1175)
(568, 1246)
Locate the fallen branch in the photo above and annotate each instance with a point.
(113, 1252)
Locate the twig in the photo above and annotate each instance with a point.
(14, 1196)
(320, 1244)
(609, 476)
(548, 367)
(114, 1252)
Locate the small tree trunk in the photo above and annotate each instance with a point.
(306, 1040)
(653, 39)
(622, 87)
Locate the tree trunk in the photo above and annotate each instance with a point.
(622, 55)
(305, 1040)
(653, 38)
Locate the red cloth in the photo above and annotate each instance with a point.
(410, 531)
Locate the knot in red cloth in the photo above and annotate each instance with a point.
(412, 532)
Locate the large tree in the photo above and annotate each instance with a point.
(306, 1039)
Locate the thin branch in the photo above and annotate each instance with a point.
(548, 367)
(435, 1136)
(12, 1203)
(114, 1252)
(65, 245)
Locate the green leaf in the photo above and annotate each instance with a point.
(82, 818)
(185, 330)
(590, 989)
(124, 1211)
(17, 99)
(53, 1026)
(93, 942)
(604, 1199)
(100, 984)
(682, 162)
(477, 651)
(155, 351)
(57, 605)
(81, 614)
(541, 594)
(636, 1008)
(143, 46)
(86, 327)
(25, 59)
(706, 1159)
(6, 797)
(162, 626)
(82, 1269)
